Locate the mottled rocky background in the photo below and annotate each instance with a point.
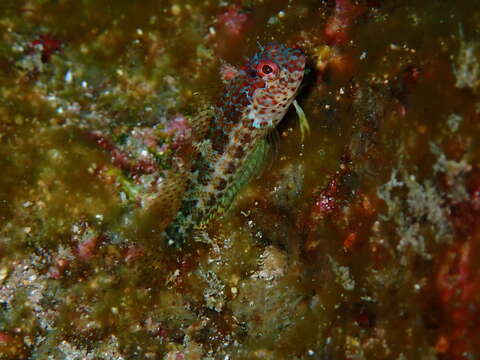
(359, 241)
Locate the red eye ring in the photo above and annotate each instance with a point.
(267, 68)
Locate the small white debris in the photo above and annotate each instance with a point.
(69, 77)
(3, 274)
(395, 47)
(18, 48)
(467, 67)
(51, 98)
(344, 278)
(176, 10)
(454, 121)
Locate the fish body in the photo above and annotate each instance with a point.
(255, 99)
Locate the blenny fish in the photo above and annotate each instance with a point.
(255, 99)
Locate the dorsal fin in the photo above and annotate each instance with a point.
(201, 122)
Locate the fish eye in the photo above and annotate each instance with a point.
(267, 69)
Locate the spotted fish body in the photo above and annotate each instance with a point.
(255, 99)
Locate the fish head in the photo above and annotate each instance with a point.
(276, 73)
